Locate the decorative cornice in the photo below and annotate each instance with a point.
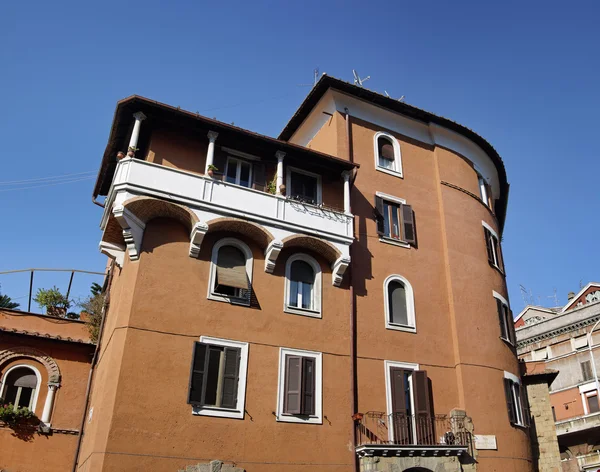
(196, 236)
(338, 268)
(555, 332)
(133, 230)
(114, 251)
(271, 255)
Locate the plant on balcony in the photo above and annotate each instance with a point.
(56, 303)
(11, 415)
(120, 155)
(211, 170)
(131, 150)
(272, 185)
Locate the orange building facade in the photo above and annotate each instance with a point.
(333, 299)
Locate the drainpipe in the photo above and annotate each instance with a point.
(589, 336)
(353, 366)
(90, 377)
(95, 202)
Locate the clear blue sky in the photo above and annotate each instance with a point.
(524, 75)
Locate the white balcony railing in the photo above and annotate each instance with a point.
(137, 177)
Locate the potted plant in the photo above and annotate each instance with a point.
(357, 416)
(211, 170)
(120, 155)
(282, 189)
(272, 185)
(131, 151)
(56, 303)
(11, 415)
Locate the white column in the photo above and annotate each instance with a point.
(49, 402)
(346, 177)
(210, 154)
(135, 134)
(280, 155)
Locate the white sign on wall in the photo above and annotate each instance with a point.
(485, 441)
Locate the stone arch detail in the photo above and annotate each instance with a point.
(325, 249)
(254, 231)
(148, 208)
(44, 359)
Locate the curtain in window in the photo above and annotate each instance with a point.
(386, 153)
(398, 309)
(231, 268)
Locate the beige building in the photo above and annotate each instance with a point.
(561, 339)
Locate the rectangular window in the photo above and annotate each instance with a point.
(304, 186)
(494, 252)
(395, 220)
(586, 370)
(518, 413)
(238, 172)
(484, 191)
(579, 342)
(507, 327)
(300, 387)
(593, 406)
(218, 377)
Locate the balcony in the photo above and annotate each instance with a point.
(575, 425)
(379, 434)
(210, 201)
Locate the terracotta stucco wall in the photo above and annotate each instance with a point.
(567, 404)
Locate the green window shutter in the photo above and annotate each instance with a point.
(197, 374)
(231, 374)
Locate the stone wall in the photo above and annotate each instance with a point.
(543, 431)
(213, 466)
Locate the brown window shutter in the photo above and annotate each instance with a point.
(524, 406)
(423, 408)
(488, 245)
(231, 268)
(293, 384)
(230, 377)
(502, 319)
(499, 254)
(386, 149)
(511, 326)
(408, 225)
(379, 218)
(308, 386)
(197, 374)
(398, 420)
(510, 403)
(259, 179)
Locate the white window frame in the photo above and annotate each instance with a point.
(410, 305)
(288, 181)
(315, 312)
(237, 161)
(519, 411)
(317, 418)
(483, 193)
(388, 391)
(574, 342)
(504, 301)
(386, 239)
(496, 255)
(36, 391)
(397, 171)
(213, 269)
(238, 412)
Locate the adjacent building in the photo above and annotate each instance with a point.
(566, 339)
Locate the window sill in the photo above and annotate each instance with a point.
(232, 301)
(395, 327)
(507, 341)
(218, 412)
(519, 426)
(395, 173)
(302, 312)
(394, 242)
(281, 418)
(494, 266)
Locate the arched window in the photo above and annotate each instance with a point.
(303, 286)
(231, 272)
(387, 154)
(399, 304)
(20, 386)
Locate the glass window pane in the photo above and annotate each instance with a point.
(11, 394)
(386, 163)
(212, 380)
(304, 187)
(386, 219)
(397, 303)
(395, 223)
(593, 404)
(25, 398)
(244, 174)
(293, 293)
(302, 271)
(307, 296)
(231, 171)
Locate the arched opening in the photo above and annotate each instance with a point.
(231, 272)
(399, 304)
(20, 386)
(303, 285)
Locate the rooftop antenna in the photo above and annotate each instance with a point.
(524, 295)
(401, 99)
(315, 79)
(357, 80)
(555, 298)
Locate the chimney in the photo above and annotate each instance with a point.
(571, 296)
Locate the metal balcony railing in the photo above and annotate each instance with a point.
(417, 430)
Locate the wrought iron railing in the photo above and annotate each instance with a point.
(376, 427)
